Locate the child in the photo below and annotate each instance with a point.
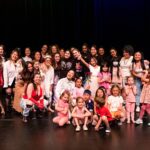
(80, 115)
(78, 90)
(114, 104)
(62, 108)
(130, 91)
(145, 98)
(116, 76)
(88, 101)
(102, 114)
(104, 77)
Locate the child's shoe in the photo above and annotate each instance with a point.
(148, 124)
(107, 130)
(139, 121)
(85, 128)
(138, 109)
(78, 128)
(119, 123)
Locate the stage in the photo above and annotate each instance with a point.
(42, 134)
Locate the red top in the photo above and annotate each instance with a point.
(103, 111)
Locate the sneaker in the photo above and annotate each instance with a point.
(120, 123)
(85, 128)
(107, 130)
(137, 109)
(148, 124)
(139, 121)
(78, 128)
(128, 121)
(24, 119)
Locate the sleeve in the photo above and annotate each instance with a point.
(52, 77)
(109, 100)
(58, 89)
(5, 75)
(121, 99)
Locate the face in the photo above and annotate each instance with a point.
(44, 48)
(75, 54)
(78, 83)
(137, 56)
(57, 57)
(27, 52)
(67, 54)
(86, 96)
(93, 62)
(126, 54)
(105, 69)
(113, 53)
(1, 51)
(70, 75)
(30, 67)
(100, 93)
(101, 51)
(14, 56)
(47, 62)
(93, 51)
(65, 97)
(37, 56)
(37, 79)
(115, 91)
(54, 49)
(62, 53)
(84, 48)
(36, 65)
(80, 103)
(130, 81)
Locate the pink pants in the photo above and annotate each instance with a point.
(145, 107)
(130, 106)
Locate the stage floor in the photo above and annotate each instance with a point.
(42, 134)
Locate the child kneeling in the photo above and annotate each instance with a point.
(80, 114)
(102, 115)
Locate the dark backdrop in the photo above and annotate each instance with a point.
(72, 22)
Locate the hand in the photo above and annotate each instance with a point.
(8, 90)
(96, 128)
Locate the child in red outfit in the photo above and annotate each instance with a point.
(103, 115)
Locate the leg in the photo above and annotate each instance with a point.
(105, 120)
(98, 124)
(63, 121)
(77, 124)
(56, 120)
(128, 112)
(132, 112)
(143, 108)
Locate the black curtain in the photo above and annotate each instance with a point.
(72, 22)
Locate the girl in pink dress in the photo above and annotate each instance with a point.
(130, 90)
(104, 77)
(145, 98)
(80, 114)
(62, 108)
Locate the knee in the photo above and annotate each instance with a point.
(104, 118)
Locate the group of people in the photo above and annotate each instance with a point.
(84, 86)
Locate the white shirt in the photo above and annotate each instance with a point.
(26, 58)
(114, 102)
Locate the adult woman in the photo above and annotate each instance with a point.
(37, 56)
(10, 73)
(33, 97)
(138, 66)
(26, 76)
(27, 56)
(126, 63)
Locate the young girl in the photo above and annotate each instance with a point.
(102, 114)
(78, 91)
(62, 108)
(115, 106)
(130, 91)
(104, 77)
(116, 76)
(80, 114)
(94, 70)
(145, 98)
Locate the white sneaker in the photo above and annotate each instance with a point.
(78, 128)
(85, 128)
(137, 109)
(139, 121)
(148, 124)
(120, 123)
(108, 130)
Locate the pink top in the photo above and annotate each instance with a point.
(64, 105)
(145, 95)
(80, 111)
(78, 92)
(115, 78)
(105, 75)
(130, 98)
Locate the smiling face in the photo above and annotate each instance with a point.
(37, 56)
(93, 51)
(115, 91)
(70, 75)
(37, 79)
(100, 93)
(101, 51)
(80, 103)
(1, 51)
(137, 56)
(93, 62)
(130, 81)
(27, 52)
(126, 54)
(78, 83)
(67, 55)
(57, 57)
(30, 67)
(113, 53)
(14, 56)
(44, 49)
(65, 97)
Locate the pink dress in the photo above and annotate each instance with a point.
(78, 92)
(130, 98)
(64, 105)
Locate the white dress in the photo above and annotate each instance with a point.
(93, 80)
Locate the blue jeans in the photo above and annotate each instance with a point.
(138, 84)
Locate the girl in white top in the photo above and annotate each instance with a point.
(94, 71)
(115, 104)
(27, 56)
(10, 73)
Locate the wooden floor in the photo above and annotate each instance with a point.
(41, 134)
